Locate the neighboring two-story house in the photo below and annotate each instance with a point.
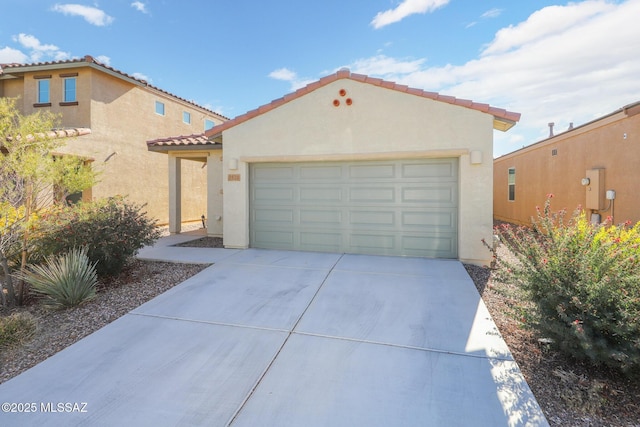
(123, 112)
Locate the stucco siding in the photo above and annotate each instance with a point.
(380, 123)
(122, 118)
(557, 165)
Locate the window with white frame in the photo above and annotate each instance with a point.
(70, 90)
(186, 117)
(44, 92)
(160, 108)
(208, 124)
(511, 182)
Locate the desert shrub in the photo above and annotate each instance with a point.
(63, 281)
(112, 230)
(16, 328)
(584, 281)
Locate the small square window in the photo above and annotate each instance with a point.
(70, 90)
(160, 108)
(186, 117)
(208, 124)
(43, 91)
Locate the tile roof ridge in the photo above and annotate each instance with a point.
(345, 73)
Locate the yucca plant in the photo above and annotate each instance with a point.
(64, 281)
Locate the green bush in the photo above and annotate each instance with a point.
(64, 281)
(16, 328)
(584, 281)
(112, 230)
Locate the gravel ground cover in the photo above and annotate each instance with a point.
(570, 393)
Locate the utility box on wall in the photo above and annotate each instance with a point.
(595, 192)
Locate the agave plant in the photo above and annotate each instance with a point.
(64, 281)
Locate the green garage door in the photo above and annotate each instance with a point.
(396, 207)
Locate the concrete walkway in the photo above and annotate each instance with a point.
(276, 338)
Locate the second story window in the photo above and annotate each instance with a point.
(44, 91)
(159, 108)
(186, 117)
(208, 124)
(70, 89)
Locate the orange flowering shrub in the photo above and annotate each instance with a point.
(584, 281)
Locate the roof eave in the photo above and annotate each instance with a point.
(503, 124)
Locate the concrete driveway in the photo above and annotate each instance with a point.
(276, 338)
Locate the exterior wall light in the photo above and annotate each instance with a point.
(476, 157)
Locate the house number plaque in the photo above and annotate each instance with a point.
(233, 177)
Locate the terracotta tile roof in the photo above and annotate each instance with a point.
(91, 61)
(181, 141)
(506, 119)
(60, 133)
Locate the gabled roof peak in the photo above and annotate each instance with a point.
(503, 119)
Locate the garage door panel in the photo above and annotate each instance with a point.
(268, 194)
(280, 239)
(372, 218)
(430, 169)
(323, 173)
(444, 221)
(372, 243)
(369, 171)
(321, 241)
(321, 194)
(382, 194)
(430, 195)
(270, 216)
(274, 173)
(431, 245)
(320, 217)
(399, 207)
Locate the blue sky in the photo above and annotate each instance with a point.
(552, 61)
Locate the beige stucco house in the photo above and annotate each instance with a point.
(352, 164)
(578, 166)
(122, 112)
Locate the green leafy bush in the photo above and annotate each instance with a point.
(16, 328)
(112, 230)
(584, 281)
(64, 281)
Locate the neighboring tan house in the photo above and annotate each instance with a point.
(583, 167)
(353, 164)
(122, 112)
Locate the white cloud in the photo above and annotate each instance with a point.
(581, 64)
(141, 76)
(38, 51)
(31, 42)
(404, 9)
(9, 55)
(139, 6)
(389, 68)
(92, 15)
(292, 77)
(545, 23)
(491, 13)
(103, 59)
(283, 74)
